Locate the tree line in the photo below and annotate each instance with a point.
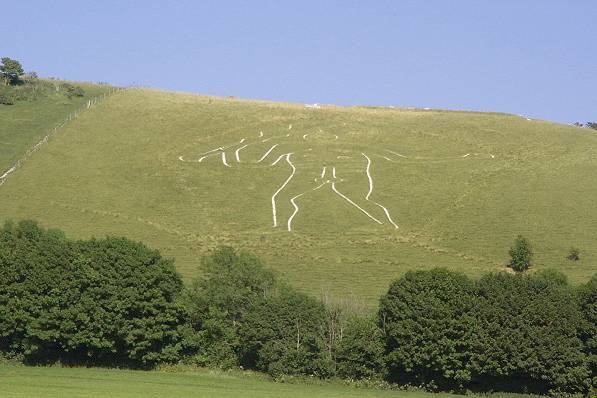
(20, 86)
(115, 302)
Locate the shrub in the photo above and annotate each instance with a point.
(521, 255)
(218, 302)
(552, 276)
(283, 335)
(361, 351)
(426, 316)
(573, 254)
(527, 335)
(6, 96)
(71, 90)
(102, 302)
(6, 99)
(28, 89)
(588, 307)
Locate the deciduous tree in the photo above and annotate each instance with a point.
(10, 70)
(428, 322)
(521, 255)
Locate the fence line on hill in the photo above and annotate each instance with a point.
(54, 130)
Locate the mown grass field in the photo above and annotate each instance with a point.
(26, 122)
(50, 382)
(459, 185)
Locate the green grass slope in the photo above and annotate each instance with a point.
(23, 124)
(162, 168)
(20, 381)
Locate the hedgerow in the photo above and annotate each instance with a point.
(114, 302)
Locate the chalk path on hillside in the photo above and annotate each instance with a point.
(319, 178)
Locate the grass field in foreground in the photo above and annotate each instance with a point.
(459, 185)
(55, 382)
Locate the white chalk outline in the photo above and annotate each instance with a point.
(222, 151)
(383, 157)
(368, 171)
(281, 188)
(206, 156)
(224, 159)
(267, 153)
(3, 176)
(466, 155)
(279, 158)
(354, 204)
(221, 148)
(236, 153)
(396, 153)
(296, 208)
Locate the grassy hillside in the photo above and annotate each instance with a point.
(81, 382)
(26, 122)
(458, 185)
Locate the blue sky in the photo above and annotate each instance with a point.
(531, 57)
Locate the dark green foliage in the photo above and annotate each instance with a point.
(553, 276)
(101, 302)
(587, 295)
(115, 302)
(573, 254)
(527, 335)
(237, 316)
(10, 70)
(71, 90)
(218, 302)
(361, 351)
(30, 260)
(427, 318)
(284, 335)
(521, 255)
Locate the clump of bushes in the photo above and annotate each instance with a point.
(528, 336)
(118, 303)
(360, 353)
(6, 96)
(20, 86)
(100, 302)
(71, 90)
(573, 254)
